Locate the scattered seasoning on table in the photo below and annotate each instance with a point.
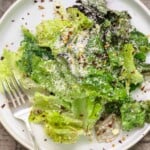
(41, 7)
(2, 58)
(3, 106)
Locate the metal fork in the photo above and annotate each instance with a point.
(19, 103)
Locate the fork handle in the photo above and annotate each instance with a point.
(24, 115)
(36, 147)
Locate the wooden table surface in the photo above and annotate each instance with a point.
(8, 143)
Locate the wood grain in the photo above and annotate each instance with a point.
(8, 143)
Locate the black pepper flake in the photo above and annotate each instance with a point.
(120, 141)
(42, 1)
(81, 115)
(2, 58)
(26, 23)
(35, 1)
(3, 106)
(57, 7)
(52, 93)
(12, 43)
(50, 0)
(22, 130)
(13, 20)
(104, 149)
(142, 88)
(28, 13)
(45, 140)
(78, 1)
(22, 18)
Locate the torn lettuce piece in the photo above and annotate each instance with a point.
(49, 32)
(63, 129)
(8, 64)
(140, 41)
(94, 9)
(57, 32)
(146, 106)
(79, 20)
(132, 115)
(59, 123)
(31, 52)
(130, 71)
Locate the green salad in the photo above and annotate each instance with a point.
(81, 67)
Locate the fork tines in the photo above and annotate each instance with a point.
(14, 92)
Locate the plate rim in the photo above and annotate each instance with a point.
(6, 126)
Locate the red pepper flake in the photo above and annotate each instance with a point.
(13, 20)
(28, 13)
(2, 58)
(110, 125)
(113, 145)
(45, 140)
(41, 7)
(3, 106)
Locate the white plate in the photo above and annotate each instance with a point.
(26, 12)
